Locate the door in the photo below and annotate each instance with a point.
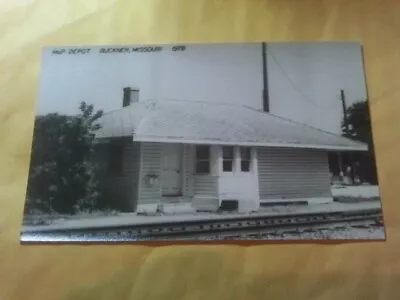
(171, 170)
(239, 175)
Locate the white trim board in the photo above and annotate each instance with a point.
(151, 139)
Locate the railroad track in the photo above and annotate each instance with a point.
(231, 227)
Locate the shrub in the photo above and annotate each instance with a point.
(61, 174)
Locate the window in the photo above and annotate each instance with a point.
(245, 159)
(202, 159)
(227, 159)
(115, 159)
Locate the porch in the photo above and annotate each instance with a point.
(196, 174)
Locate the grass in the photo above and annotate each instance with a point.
(41, 218)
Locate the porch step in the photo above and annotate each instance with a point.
(165, 208)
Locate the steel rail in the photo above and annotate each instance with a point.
(261, 233)
(193, 229)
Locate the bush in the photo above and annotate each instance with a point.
(62, 175)
(357, 126)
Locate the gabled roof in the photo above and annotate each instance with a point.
(179, 121)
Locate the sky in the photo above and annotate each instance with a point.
(304, 79)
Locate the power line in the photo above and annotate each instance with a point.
(293, 85)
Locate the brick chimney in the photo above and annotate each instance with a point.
(130, 96)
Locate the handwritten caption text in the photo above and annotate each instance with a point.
(115, 50)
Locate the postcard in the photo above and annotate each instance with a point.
(203, 142)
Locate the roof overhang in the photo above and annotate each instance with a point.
(186, 122)
(157, 139)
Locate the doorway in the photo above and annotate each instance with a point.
(171, 174)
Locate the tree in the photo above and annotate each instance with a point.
(357, 126)
(62, 173)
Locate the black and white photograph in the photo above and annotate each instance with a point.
(202, 142)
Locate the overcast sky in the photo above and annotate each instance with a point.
(304, 79)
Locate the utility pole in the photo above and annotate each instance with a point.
(343, 98)
(340, 161)
(346, 125)
(265, 78)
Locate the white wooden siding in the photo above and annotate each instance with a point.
(131, 169)
(205, 185)
(125, 185)
(151, 160)
(187, 171)
(293, 173)
(121, 189)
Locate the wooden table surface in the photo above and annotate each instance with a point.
(352, 271)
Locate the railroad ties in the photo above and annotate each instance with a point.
(222, 228)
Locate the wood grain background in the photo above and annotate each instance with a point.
(352, 271)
